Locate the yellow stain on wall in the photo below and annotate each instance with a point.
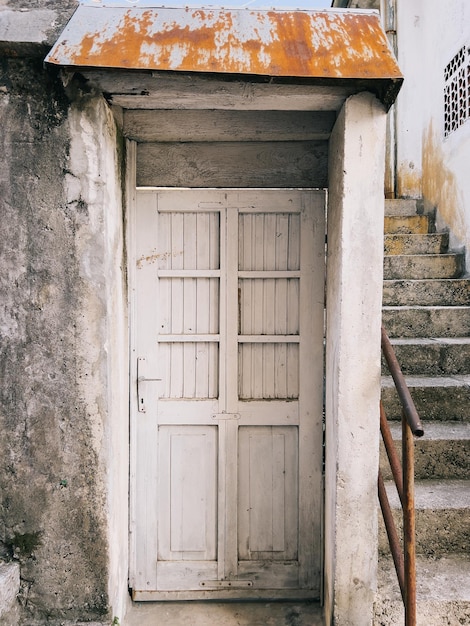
(408, 181)
(440, 187)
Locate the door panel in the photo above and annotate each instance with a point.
(227, 434)
(187, 526)
(268, 494)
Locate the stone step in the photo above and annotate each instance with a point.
(417, 224)
(423, 266)
(443, 598)
(426, 321)
(432, 357)
(442, 517)
(431, 243)
(401, 206)
(444, 399)
(442, 453)
(431, 292)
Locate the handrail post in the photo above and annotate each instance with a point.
(409, 539)
(411, 426)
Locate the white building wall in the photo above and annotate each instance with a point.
(429, 165)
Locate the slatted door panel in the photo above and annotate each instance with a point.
(269, 268)
(188, 293)
(189, 307)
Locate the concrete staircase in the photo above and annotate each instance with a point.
(426, 312)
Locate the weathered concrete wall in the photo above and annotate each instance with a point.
(429, 34)
(62, 322)
(354, 296)
(93, 180)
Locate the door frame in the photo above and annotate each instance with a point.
(352, 368)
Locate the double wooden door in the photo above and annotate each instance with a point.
(227, 426)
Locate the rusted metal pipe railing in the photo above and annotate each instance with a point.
(403, 476)
(411, 414)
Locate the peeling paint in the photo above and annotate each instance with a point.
(153, 258)
(321, 44)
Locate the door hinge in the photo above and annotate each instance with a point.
(227, 584)
(225, 416)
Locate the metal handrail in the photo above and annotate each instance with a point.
(403, 476)
(406, 400)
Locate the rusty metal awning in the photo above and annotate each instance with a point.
(327, 44)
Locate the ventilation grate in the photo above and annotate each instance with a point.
(457, 91)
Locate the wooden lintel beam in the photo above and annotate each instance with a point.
(170, 126)
(233, 164)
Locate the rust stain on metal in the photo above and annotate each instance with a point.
(320, 44)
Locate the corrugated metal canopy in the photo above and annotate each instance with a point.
(324, 44)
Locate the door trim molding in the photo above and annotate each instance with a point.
(131, 204)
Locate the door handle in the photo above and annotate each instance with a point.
(142, 378)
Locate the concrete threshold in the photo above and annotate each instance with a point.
(224, 614)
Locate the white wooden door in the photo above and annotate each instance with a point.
(227, 426)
